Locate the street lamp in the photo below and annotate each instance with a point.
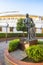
(6, 31)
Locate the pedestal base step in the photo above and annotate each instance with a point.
(25, 44)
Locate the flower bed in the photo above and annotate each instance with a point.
(9, 60)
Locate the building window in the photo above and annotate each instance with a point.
(38, 30)
(11, 29)
(8, 18)
(0, 28)
(4, 18)
(12, 18)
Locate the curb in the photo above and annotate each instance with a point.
(9, 60)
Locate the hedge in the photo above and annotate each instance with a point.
(16, 35)
(39, 34)
(3, 35)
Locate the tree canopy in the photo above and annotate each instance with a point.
(20, 25)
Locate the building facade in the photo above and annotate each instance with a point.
(8, 23)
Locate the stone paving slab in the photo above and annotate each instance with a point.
(18, 54)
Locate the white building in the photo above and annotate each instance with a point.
(8, 22)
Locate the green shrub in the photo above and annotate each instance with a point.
(35, 52)
(16, 35)
(2, 35)
(13, 45)
(39, 34)
(9, 35)
(40, 42)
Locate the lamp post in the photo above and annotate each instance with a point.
(6, 31)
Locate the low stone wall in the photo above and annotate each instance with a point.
(12, 61)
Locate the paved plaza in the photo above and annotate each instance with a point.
(3, 46)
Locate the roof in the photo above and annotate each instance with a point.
(14, 13)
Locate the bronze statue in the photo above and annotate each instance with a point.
(30, 27)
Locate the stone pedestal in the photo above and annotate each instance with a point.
(32, 42)
(25, 44)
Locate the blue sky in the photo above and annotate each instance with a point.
(33, 7)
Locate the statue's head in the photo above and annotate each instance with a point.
(27, 15)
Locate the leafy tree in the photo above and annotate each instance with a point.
(20, 25)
